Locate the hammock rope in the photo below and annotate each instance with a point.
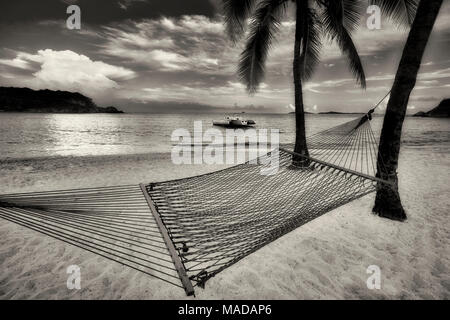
(190, 229)
(113, 222)
(218, 218)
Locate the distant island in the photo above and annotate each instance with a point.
(48, 101)
(335, 112)
(441, 111)
(329, 112)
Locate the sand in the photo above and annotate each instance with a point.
(324, 259)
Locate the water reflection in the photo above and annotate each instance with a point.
(43, 135)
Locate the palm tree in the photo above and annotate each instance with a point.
(333, 18)
(387, 201)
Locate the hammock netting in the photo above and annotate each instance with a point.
(190, 229)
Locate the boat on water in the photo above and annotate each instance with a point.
(234, 122)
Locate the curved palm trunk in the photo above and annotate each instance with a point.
(300, 133)
(387, 202)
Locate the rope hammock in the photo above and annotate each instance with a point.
(186, 231)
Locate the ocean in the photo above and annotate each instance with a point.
(54, 151)
(27, 136)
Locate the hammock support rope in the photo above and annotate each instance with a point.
(188, 230)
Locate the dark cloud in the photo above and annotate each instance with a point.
(424, 99)
(101, 11)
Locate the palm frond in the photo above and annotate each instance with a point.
(401, 11)
(265, 24)
(236, 13)
(352, 14)
(348, 47)
(333, 25)
(311, 44)
(347, 12)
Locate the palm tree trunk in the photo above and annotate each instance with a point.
(387, 201)
(300, 133)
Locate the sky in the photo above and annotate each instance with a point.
(174, 56)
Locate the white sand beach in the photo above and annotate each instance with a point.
(324, 259)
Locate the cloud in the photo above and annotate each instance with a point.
(201, 25)
(423, 98)
(141, 37)
(433, 75)
(424, 77)
(315, 86)
(188, 43)
(21, 61)
(314, 109)
(68, 70)
(190, 24)
(370, 89)
(125, 4)
(429, 82)
(225, 94)
(169, 61)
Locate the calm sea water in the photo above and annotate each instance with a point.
(24, 136)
